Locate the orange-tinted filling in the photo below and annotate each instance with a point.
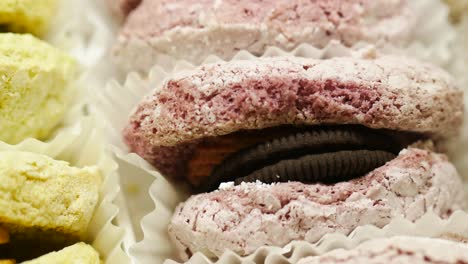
(211, 152)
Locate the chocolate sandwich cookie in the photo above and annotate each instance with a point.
(316, 154)
(192, 30)
(301, 147)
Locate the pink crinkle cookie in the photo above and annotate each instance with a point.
(400, 249)
(219, 99)
(309, 147)
(193, 29)
(245, 217)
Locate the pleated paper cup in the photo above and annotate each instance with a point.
(82, 29)
(459, 69)
(85, 30)
(430, 225)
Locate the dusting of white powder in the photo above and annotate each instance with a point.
(244, 217)
(399, 249)
(226, 185)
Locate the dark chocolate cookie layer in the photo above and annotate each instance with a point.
(325, 168)
(319, 154)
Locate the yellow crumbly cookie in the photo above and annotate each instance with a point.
(44, 198)
(26, 16)
(78, 253)
(35, 87)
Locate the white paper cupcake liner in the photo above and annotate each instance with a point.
(459, 66)
(83, 145)
(459, 69)
(428, 226)
(161, 201)
(113, 105)
(460, 47)
(433, 37)
(83, 29)
(431, 40)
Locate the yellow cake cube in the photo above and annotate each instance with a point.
(79, 253)
(46, 199)
(35, 87)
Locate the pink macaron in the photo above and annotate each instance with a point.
(301, 147)
(155, 30)
(223, 98)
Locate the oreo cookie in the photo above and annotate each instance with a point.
(323, 168)
(312, 154)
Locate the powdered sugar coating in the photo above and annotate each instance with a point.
(218, 99)
(415, 250)
(245, 217)
(193, 29)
